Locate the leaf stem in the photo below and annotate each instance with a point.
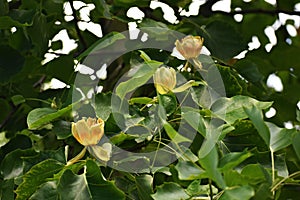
(211, 195)
(77, 158)
(273, 168)
(275, 187)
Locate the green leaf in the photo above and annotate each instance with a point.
(280, 137)
(3, 8)
(61, 68)
(36, 176)
(140, 100)
(233, 159)
(222, 34)
(144, 184)
(189, 171)
(12, 165)
(89, 185)
(231, 109)
(105, 41)
(18, 99)
(213, 135)
(142, 75)
(174, 135)
(5, 109)
(47, 191)
(7, 189)
(130, 3)
(103, 9)
(11, 62)
(41, 116)
(296, 144)
(169, 102)
(256, 174)
(39, 33)
(99, 187)
(249, 70)
(3, 139)
(56, 45)
(103, 105)
(210, 164)
(196, 121)
(237, 193)
(196, 189)
(62, 129)
(256, 116)
(140, 164)
(7, 22)
(170, 191)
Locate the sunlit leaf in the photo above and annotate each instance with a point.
(171, 191)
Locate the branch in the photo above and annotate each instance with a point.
(258, 11)
(76, 20)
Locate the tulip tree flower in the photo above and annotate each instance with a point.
(89, 132)
(190, 47)
(165, 81)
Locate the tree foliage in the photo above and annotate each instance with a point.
(236, 152)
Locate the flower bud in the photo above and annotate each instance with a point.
(190, 46)
(88, 131)
(164, 80)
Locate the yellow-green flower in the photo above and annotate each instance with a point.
(190, 46)
(88, 131)
(165, 81)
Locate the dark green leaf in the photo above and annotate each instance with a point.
(11, 62)
(41, 116)
(256, 116)
(196, 121)
(169, 102)
(144, 186)
(238, 193)
(36, 176)
(296, 144)
(47, 191)
(103, 105)
(106, 41)
(12, 165)
(18, 99)
(280, 137)
(231, 109)
(143, 74)
(233, 159)
(7, 189)
(196, 189)
(223, 40)
(90, 185)
(61, 68)
(189, 171)
(56, 45)
(170, 191)
(7, 22)
(210, 164)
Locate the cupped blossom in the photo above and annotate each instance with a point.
(88, 131)
(165, 81)
(190, 46)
